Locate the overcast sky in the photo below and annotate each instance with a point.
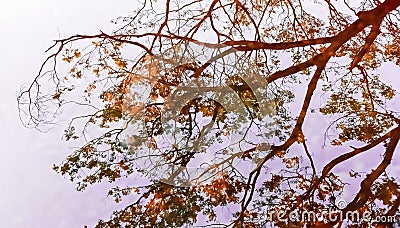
(31, 194)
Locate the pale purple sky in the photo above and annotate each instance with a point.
(31, 193)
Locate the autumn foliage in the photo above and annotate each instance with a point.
(134, 112)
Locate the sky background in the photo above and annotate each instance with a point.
(31, 193)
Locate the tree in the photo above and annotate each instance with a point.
(212, 102)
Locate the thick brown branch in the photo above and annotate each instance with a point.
(368, 42)
(245, 45)
(366, 184)
(344, 157)
(365, 191)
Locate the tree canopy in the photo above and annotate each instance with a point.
(212, 105)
